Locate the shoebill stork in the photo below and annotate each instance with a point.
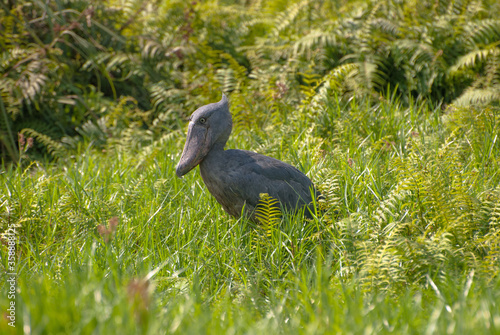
(236, 178)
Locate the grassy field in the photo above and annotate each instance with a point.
(114, 242)
(390, 107)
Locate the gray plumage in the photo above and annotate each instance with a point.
(236, 178)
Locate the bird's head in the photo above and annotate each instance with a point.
(209, 126)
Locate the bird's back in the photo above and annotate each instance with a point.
(236, 178)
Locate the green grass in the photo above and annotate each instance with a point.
(408, 242)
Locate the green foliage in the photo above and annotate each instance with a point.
(391, 108)
(66, 64)
(267, 213)
(114, 240)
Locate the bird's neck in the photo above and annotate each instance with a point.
(217, 147)
(212, 164)
(212, 157)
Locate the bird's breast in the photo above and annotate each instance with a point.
(220, 175)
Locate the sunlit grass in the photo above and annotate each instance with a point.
(114, 242)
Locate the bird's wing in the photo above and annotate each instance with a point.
(253, 174)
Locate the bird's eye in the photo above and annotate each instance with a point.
(202, 120)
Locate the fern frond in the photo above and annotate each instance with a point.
(370, 75)
(474, 57)
(288, 17)
(55, 148)
(489, 243)
(123, 63)
(268, 213)
(162, 93)
(386, 26)
(334, 81)
(312, 41)
(390, 211)
(33, 80)
(483, 32)
(152, 49)
(478, 96)
(95, 132)
(331, 193)
(227, 80)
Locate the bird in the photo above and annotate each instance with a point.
(237, 178)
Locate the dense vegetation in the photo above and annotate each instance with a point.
(390, 107)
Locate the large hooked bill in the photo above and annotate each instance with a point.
(196, 148)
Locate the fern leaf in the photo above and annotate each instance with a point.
(474, 57)
(312, 41)
(385, 26)
(478, 96)
(484, 32)
(285, 19)
(55, 148)
(267, 213)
